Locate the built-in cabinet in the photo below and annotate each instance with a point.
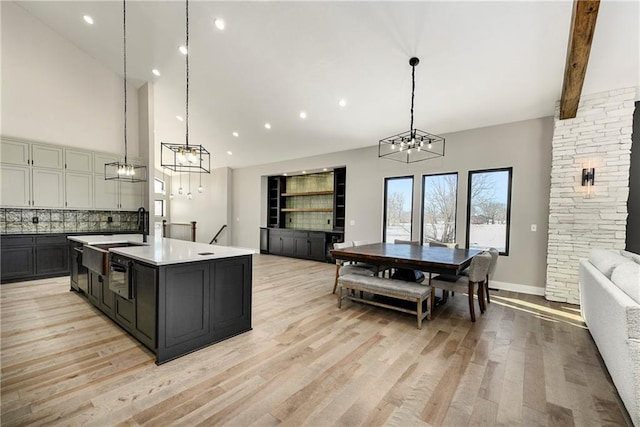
(297, 243)
(49, 176)
(33, 256)
(276, 239)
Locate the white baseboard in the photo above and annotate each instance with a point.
(514, 287)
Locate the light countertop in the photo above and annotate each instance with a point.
(163, 251)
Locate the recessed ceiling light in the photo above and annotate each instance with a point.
(155, 72)
(342, 102)
(304, 171)
(219, 23)
(88, 19)
(303, 115)
(183, 50)
(267, 125)
(179, 118)
(236, 134)
(324, 170)
(229, 153)
(284, 174)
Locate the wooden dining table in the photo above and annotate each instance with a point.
(431, 259)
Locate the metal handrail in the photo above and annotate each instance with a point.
(215, 238)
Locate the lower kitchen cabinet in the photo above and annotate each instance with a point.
(26, 257)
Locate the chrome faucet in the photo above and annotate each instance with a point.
(143, 223)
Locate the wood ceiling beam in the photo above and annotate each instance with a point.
(583, 25)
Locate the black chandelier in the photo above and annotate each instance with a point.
(125, 171)
(413, 145)
(185, 157)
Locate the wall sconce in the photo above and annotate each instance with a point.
(588, 176)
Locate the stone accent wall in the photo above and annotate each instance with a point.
(599, 136)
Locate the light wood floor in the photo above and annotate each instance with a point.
(526, 361)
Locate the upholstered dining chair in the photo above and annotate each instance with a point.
(419, 276)
(345, 267)
(494, 261)
(442, 244)
(478, 271)
(406, 242)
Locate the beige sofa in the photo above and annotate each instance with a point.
(610, 305)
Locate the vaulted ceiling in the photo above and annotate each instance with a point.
(481, 64)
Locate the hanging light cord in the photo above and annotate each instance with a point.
(124, 37)
(187, 60)
(413, 89)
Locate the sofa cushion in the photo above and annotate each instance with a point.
(606, 260)
(626, 276)
(631, 255)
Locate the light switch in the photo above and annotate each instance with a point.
(352, 222)
(534, 227)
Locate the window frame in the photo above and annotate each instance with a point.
(161, 197)
(508, 213)
(455, 214)
(384, 205)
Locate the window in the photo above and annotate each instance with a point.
(158, 186)
(398, 208)
(160, 208)
(160, 202)
(439, 199)
(489, 209)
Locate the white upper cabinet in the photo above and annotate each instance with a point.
(47, 156)
(78, 190)
(14, 152)
(105, 193)
(131, 196)
(100, 159)
(15, 186)
(47, 186)
(78, 160)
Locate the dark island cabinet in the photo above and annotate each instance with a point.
(99, 294)
(201, 303)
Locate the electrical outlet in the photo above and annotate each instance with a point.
(35, 220)
(109, 219)
(352, 222)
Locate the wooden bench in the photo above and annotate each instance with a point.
(399, 289)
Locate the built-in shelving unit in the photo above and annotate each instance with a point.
(307, 209)
(308, 193)
(276, 187)
(339, 198)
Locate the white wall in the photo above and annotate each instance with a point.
(524, 145)
(210, 209)
(53, 92)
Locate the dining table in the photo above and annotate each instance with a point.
(429, 259)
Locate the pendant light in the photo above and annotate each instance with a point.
(414, 145)
(125, 171)
(185, 157)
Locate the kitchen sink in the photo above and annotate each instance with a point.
(96, 257)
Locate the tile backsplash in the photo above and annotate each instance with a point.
(25, 221)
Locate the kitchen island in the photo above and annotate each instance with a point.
(173, 296)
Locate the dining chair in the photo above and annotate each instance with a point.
(478, 271)
(345, 267)
(452, 245)
(494, 261)
(360, 242)
(407, 242)
(403, 273)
